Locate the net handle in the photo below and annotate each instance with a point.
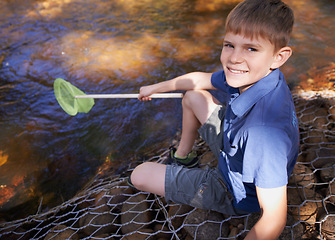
(131, 95)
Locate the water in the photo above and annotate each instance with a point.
(106, 46)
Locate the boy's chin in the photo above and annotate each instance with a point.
(240, 87)
(233, 84)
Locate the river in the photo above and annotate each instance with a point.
(111, 46)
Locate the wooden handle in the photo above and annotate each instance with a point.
(131, 95)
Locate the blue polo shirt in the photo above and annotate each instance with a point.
(261, 137)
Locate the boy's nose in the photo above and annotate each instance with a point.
(236, 56)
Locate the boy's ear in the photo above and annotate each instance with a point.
(281, 57)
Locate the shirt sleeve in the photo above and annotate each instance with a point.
(266, 157)
(218, 80)
(223, 90)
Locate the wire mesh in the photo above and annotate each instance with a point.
(108, 209)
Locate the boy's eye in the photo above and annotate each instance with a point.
(252, 49)
(228, 45)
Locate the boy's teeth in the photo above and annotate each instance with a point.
(236, 71)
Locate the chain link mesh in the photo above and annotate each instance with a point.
(108, 209)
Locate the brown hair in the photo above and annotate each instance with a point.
(269, 19)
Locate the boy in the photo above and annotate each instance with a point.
(254, 133)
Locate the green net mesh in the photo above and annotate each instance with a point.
(65, 94)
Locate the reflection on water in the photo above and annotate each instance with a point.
(110, 46)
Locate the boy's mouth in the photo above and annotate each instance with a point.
(236, 71)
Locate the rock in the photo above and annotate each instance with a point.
(315, 137)
(300, 105)
(135, 213)
(113, 198)
(211, 224)
(315, 113)
(307, 211)
(290, 221)
(100, 202)
(119, 194)
(102, 236)
(296, 228)
(295, 196)
(325, 155)
(332, 192)
(302, 158)
(177, 214)
(233, 232)
(240, 227)
(302, 176)
(327, 173)
(307, 116)
(162, 231)
(292, 232)
(18, 233)
(252, 219)
(61, 232)
(321, 118)
(236, 221)
(328, 227)
(188, 237)
(86, 202)
(310, 156)
(331, 111)
(143, 234)
(98, 221)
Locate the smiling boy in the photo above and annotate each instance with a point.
(253, 132)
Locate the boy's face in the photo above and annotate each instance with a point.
(245, 60)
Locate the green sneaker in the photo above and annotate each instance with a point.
(190, 161)
(130, 184)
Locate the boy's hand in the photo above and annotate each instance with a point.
(145, 92)
(273, 204)
(190, 81)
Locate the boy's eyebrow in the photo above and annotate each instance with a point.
(254, 45)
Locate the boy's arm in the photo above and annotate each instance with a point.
(190, 81)
(273, 204)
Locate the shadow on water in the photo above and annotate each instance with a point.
(102, 46)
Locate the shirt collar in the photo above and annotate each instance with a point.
(253, 94)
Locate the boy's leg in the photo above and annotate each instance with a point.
(149, 177)
(198, 105)
(196, 187)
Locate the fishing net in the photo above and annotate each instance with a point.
(74, 101)
(66, 93)
(108, 209)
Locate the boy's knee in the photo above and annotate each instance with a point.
(192, 96)
(138, 175)
(149, 177)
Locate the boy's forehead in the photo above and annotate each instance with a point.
(254, 39)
